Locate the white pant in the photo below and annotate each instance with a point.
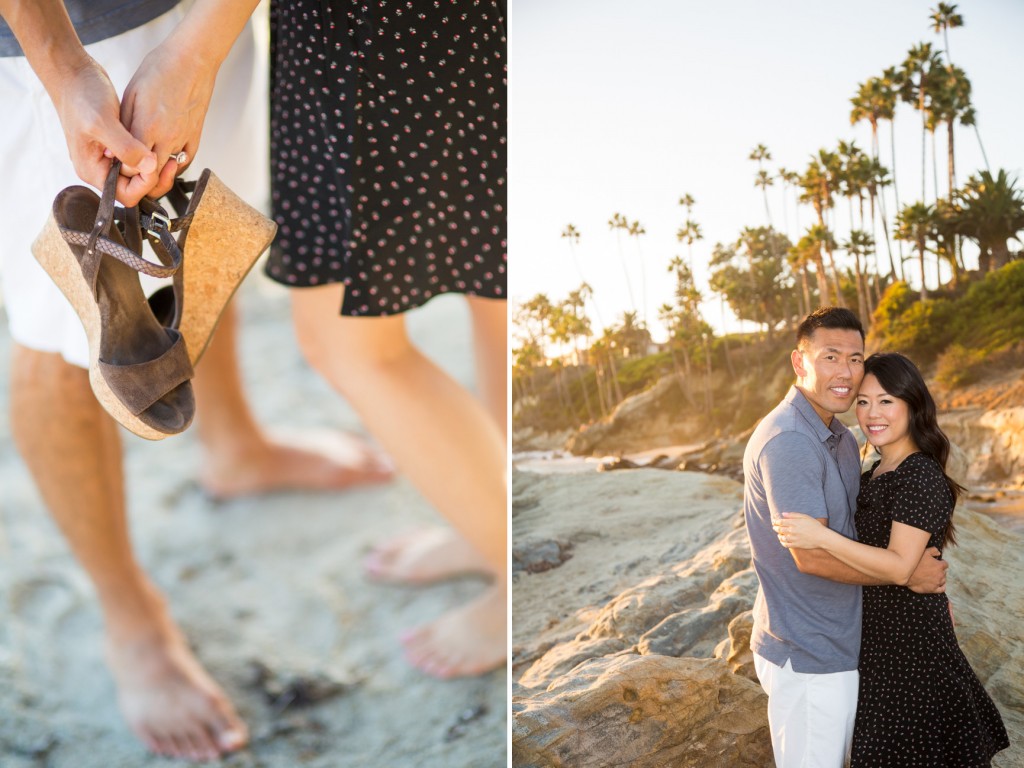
(810, 716)
(36, 166)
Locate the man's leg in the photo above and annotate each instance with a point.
(810, 716)
(240, 459)
(73, 450)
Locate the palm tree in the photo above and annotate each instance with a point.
(916, 224)
(813, 183)
(617, 223)
(861, 244)
(822, 237)
(573, 236)
(892, 84)
(763, 180)
(575, 323)
(876, 100)
(799, 258)
(945, 18)
(920, 68)
(789, 179)
(636, 229)
(992, 213)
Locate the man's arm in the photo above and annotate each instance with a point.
(83, 96)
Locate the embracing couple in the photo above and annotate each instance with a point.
(853, 635)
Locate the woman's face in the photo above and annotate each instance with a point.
(884, 419)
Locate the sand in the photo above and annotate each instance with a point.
(272, 581)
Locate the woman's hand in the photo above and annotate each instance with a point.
(165, 105)
(798, 531)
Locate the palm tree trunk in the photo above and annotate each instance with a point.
(835, 276)
(982, 148)
(920, 251)
(896, 192)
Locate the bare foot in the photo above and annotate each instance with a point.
(424, 556)
(311, 460)
(166, 696)
(468, 640)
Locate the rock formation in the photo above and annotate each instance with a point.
(636, 651)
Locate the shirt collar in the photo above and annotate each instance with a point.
(798, 400)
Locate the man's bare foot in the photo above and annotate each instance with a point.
(312, 460)
(468, 640)
(166, 696)
(424, 556)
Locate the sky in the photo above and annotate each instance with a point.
(619, 107)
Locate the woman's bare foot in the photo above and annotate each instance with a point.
(468, 640)
(313, 460)
(165, 695)
(424, 556)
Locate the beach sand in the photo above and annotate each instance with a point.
(271, 583)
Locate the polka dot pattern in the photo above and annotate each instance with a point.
(388, 149)
(920, 703)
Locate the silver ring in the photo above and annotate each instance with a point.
(180, 158)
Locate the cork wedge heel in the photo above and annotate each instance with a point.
(139, 370)
(222, 237)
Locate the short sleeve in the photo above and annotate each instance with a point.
(793, 473)
(919, 496)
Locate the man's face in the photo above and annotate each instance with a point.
(829, 367)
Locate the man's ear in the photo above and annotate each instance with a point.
(796, 357)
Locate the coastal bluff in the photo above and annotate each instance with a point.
(632, 593)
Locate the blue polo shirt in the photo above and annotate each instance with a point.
(794, 463)
(97, 20)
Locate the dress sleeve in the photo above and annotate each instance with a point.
(793, 476)
(920, 496)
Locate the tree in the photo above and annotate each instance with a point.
(876, 100)
(945, 18)
(814, 183)
(860, 245)
(920, 69)
(683, 320)
(617, 223)
(992, 213)
(753, 279)
(763, 179)
(636, 229)
(916, 224)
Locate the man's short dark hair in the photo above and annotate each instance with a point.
(828, 317)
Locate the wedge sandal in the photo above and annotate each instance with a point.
(221, 237)
(139, 370)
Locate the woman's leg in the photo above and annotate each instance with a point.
(427, 555)
(418, 413)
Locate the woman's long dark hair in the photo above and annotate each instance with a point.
(900, 378)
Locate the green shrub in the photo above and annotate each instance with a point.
(959, 366)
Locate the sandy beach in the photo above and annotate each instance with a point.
(269, 590)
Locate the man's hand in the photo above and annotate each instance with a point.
(89, 112)
(930, 575)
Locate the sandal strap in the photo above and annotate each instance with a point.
(139, 385)
(97, 242)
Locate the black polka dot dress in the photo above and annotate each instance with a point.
(920, 703)
(388, 149)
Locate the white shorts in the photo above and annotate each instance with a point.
(810, 716)
(37, 166)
